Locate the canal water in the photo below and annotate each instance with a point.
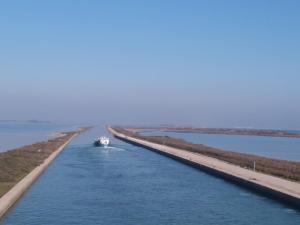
(126, 184)
(272, 147)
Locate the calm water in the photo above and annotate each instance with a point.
(17, 134)
(273, 147)
(131, 185)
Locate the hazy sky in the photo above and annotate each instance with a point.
(203, 63)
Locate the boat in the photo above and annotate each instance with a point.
(102, 142)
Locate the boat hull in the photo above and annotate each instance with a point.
(101, 142)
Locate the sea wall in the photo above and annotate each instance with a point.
(14, 194)
(285, 191)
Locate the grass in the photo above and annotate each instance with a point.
(281, 168)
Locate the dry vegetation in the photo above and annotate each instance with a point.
(281, 168)
(16, 164)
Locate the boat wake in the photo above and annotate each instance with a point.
(112, 148)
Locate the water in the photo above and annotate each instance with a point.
(273, 147)
(17, 134)
(131, 185)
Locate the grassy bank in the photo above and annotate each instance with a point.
(281, 168)
(17, 163)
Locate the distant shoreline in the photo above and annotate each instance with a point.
(26, 121)
(225, 131)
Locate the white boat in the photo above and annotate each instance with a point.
(102, 141)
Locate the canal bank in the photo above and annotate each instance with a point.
(277, 188)
(14, 194)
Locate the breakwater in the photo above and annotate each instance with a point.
(280, 189)
(12, 196)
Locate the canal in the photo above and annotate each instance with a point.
(126, 184)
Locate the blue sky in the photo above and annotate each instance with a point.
(202, 63)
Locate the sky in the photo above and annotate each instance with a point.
(191, 62)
